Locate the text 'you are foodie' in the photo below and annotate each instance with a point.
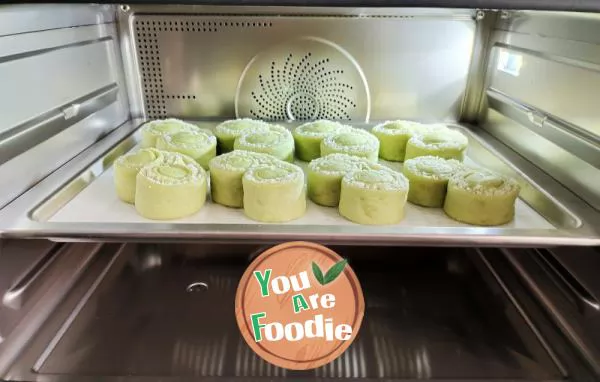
(299, 305)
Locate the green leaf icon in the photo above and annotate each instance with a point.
(331, 274)
(317, 272)
(334, 271)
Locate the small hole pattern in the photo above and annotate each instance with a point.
(303, 80)
(178, 25)
(150, 69)
(147, 32)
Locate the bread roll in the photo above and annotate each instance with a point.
(274, 193)
(276, 141)
(228, 131)
(443, 143)
(354, 142)
(393, 136)
(154, 129)
(428, 177)
(308, 137)
(226, 172)
(197, 144)
(126, 168)
(170, 191)
(373, 197)
(325, 177)
(481, 197)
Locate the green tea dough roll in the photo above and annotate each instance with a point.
(197, 145)
(428, 177)
(481, 197)
(354, 142)
(126, 168)
(154, 129)
(325, 177)
(308, 137)
(228, 131)
(443, 143)
(207, 131)
(226, 172)
(393, 136)
(274, 193)
(170, 191)
(276, 141)
(368, 165)
(373, 197)
(172, 157)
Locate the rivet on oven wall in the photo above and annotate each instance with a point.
(125, 8)
(197, 287)
(71, 111)
(479, 15)
(536, 118)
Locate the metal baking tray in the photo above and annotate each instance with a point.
(84, 206)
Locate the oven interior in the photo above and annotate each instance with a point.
(89, 294)
(519, 84)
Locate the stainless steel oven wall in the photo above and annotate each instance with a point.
(61, 88)
(297, 63)
(542, 94)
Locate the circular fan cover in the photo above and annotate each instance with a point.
(304, 79)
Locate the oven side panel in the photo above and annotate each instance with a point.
(542, 94)
(62, 88)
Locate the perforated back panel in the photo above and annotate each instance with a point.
(149, 53)
(301, 67)
(303, 79)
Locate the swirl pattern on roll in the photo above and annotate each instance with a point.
(126, 168)
(393, 136)
(196, 144)
(443, 143)
(308, 137)
(356, 142)
(226, 172)
(276, 140)
(274, 193)
(481, 197)
(428, 177)
(228, 131)
(373, 197)
(325, 177)
(152, 130)
(170, 190)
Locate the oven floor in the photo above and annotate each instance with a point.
(429, 314)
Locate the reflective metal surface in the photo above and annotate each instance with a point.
(179, 58)
(577, 142)
(17, 295)
(429, 315)
(573, 172)
(83, 66)
(582, 264)
(531, 298)
(62, 88)
(16, 258)
(24, 18)
(543, 75)
(32, 291)
(37, 130)
(475, 91)
(580, 328)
